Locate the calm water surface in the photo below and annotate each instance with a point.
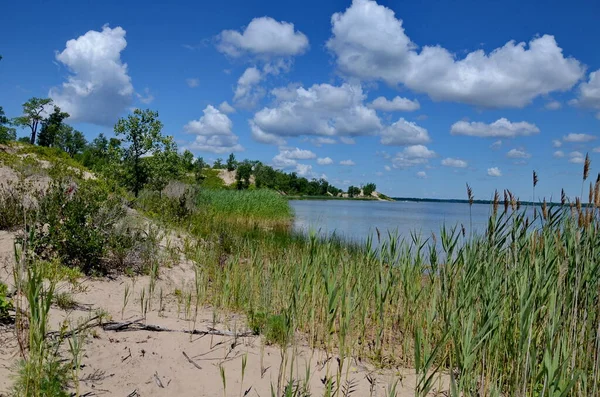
(356, 220)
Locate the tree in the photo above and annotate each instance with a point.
(231, 162)
(187, 160)
(51, 127)
(32, 115)
(70, 140)
(369, 188)
(218, 164)
(6, 133)
(141, 133)
(199, 166)
(164, 165)
(242, 176)
(353, 191)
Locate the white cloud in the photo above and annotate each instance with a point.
(404, 132)
(322, 109)
(553, 105)
(501, 128)
(413, 155)
(596, 149)
(146, 97)
(578, 138)
(369, 42)
(494, 171)
(518, 154)
(387, 168)
(248, 93)
(347, 140)
(457, 163)
(496, 145)
(324, 161)
(559, 154)
(192, 82)
(422, 175)
(264, 137)
(298, 154)
(213, 132)
(263, 36)
(556, 143)
(226, 108)
(287, 158)
(98, 89)
(347, 162)
(576, 157)
(589, 92)
(395, 105)
(304, 169)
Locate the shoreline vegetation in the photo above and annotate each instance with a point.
(512, 311)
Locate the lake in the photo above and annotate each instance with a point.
(356, 220)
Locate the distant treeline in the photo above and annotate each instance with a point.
(461, 201)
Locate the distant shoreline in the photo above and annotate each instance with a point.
(464, 201)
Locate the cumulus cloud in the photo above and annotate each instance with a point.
(304, 170)
(226, 108)
(321, 110)
(578, 138)
(556, 143)
(589, 92)
(98, 89)
(422, 175)
(387, 168)
(576, 157)
(496, 145)
(518, 154)
(501, 128)
(347, 162)
(263, 36)
(494, 171)
(324, 161)
(192, 82)
(404, 132)
(559, 154)
(553, 105)
(413, 155)
(287, 158)
(395, 105)
(596, 149)
(213, 132)
(456, 163)
(370, 43)
(248, 92)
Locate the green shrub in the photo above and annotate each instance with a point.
(76, 222)
(12, 205)
(5, 304)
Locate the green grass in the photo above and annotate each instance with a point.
(259, 204)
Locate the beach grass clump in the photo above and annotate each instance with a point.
(259, 204)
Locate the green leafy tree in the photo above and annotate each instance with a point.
(51, 127)
(164, 165)
(187, 160)
(6, 132)
(70, 140)
(369, 188)
(141, 133)
(231, 162)
(32, 115)
(199, 166)
(218, 164)
(353, 191)
(243, 174)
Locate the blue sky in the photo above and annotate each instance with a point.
(418, 97)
